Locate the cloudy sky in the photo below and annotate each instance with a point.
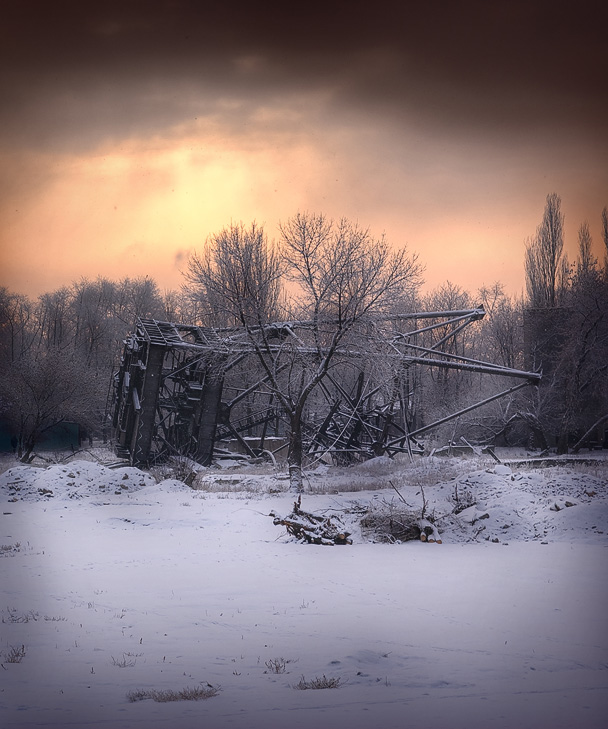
(129, 131)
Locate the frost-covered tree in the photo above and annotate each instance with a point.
(236, 279)
(339, 277)
(18, 326)
(544, 257)
(42, 390)
(586, 261)
(76, 329)
(566, 329)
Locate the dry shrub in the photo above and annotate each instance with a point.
(128, 660)
(389, 522)
(189, 693)
(318, 683)
(9, 549)
(277, 665)
(13, 616)
(15, 654)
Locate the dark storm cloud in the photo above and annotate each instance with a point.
(77, 72)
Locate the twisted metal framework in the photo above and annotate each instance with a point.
(182, 389)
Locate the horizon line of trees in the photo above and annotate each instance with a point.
(58, 353)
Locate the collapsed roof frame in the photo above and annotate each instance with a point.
(171, 392)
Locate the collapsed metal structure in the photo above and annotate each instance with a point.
(183, 390)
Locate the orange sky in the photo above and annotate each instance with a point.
(129, 136)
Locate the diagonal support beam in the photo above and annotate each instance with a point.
(462, 412)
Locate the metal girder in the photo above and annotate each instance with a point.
(171, 392)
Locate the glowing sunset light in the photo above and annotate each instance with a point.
(128, 137)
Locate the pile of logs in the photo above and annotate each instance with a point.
(312, 528)
(428, 531)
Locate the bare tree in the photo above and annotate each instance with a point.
(136, 297)
(91, 302)
(40, 391)
(237, 277)
(582, 365)
(444, 389)
(544, 262)
(341, 278)
(605, 237)
(18, 325)
(586, 261)
(54, 319)
(501, 328)
(346, 278)
(565, 330)
(178, 305)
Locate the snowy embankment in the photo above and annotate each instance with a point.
(116, 587)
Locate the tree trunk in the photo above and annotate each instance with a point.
(294, 454)
(29, 444)
(562, 444)
(537, 438)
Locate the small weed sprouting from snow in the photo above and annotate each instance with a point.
(13, 616)
(15, 654)
(190, 693)
(318, 683)
(277, 665)
(128, 660)
(462, 499)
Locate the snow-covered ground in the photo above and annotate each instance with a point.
(114, 585)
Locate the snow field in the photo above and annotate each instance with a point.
(158, 587)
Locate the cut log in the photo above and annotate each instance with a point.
(428, 532)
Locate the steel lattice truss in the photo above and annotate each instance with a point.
(182, 390)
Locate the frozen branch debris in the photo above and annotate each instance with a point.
(312, 528)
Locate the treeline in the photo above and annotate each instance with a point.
(58, 353)
(566, 332)
(85, 320)
(559, 328)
